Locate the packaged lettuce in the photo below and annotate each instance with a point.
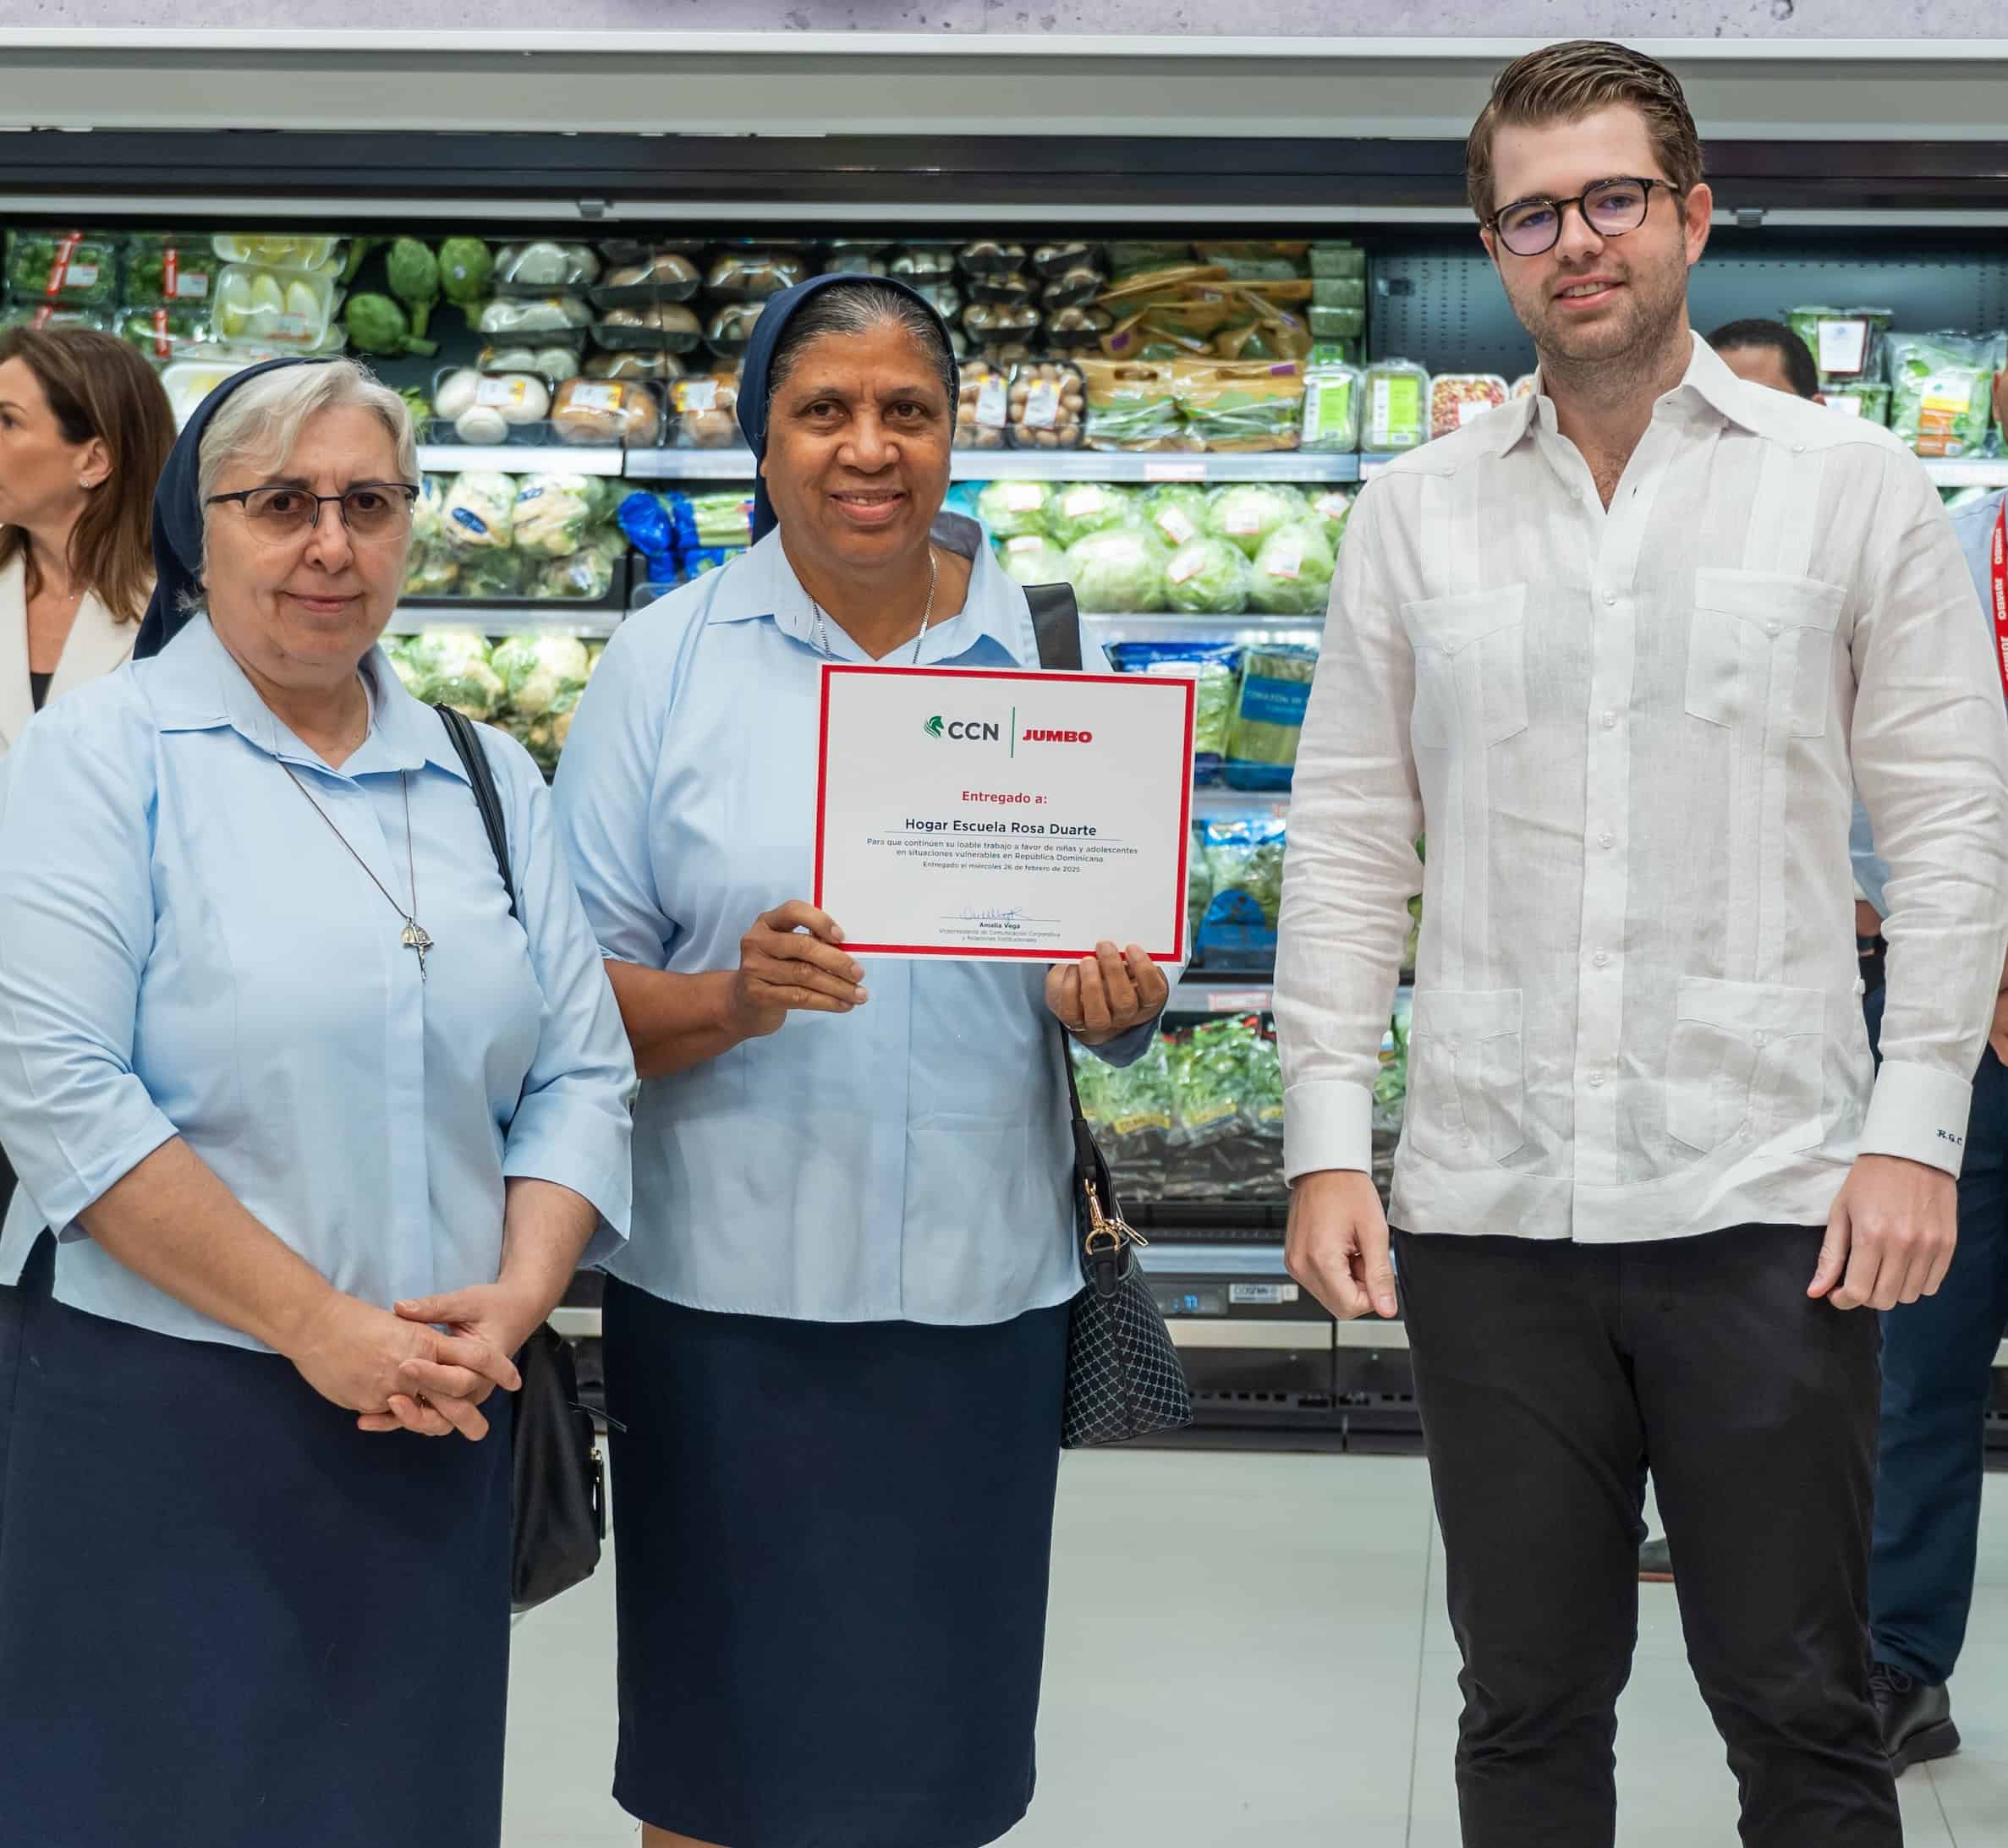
(1135, 1102)
(1249, 511)
(1867, 401)
(1214, 665)
(1244, 861)
(1009, 509)
(1331, 406)
(1846, 344)
(1268, 709)
(1396, 411)
(1207, 576)
(1198, 890)
(1330, 508)
(1292, 575)
(1178, 509)
(1941, 387)
(1118, 573)
(1033, 558)
(1081, 507)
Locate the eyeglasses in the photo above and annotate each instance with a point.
(376, 510)
(1611, 208)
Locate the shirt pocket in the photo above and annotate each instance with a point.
(1470, 666)
(1746, 1064)
(1759, 639)
(1467, 1076)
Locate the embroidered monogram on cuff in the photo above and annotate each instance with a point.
(1920, 1114)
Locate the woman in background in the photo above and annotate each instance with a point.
(85, 432)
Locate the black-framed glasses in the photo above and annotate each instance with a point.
(370, 510)
(1611, 208)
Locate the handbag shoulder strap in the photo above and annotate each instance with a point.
(1055, 625)
(487, 798)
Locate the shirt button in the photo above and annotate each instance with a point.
(1610, 596)
(1760, 1040)
(1610, 721)
(1601, 959)
(1596, 1081)
(1606, 839)
(1798, 449)
(1770, 628)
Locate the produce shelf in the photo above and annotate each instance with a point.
(493, 619)
(522, 459)
(1094, 465)
(1981, 474)
(691, 465)
(1209, 803)
(1169, 626)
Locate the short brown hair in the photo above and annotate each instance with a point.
(1564, 83)
(98, 385)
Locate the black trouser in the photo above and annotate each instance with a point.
(1550, 1375)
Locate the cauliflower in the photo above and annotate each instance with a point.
(450, 666)
(544, 674)
(481, 510)
(553, 512)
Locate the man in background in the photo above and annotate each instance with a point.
(1938, 1352)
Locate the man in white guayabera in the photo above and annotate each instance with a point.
(1623, 648)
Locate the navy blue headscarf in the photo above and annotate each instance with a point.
(755, 382)
(178, 520)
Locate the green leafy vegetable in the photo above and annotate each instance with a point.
(1249, 511)
(1269, 710)
(165, 272)
(1247, 857)
(450, 666)
(1207, 576)
(1178, 510)
(544, 674)
(1082, 507)
(62, 270)
(1941, 390)
(1292, 575)
(1120, 571)
(553, 514)
(1011, 509)
(1032, 558)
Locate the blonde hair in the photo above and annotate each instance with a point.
(258, 427)
(1564, 83)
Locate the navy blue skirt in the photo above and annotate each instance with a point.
(228, 1617)
(831, 1551)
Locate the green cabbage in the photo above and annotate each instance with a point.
(1081, 507)
(1178, 509)
(1249, 511)
(1032, 559)
(1293, 572)
(1011, 509)
(1118, 573)
(1330, 508)
(544, 673)
(1207, 576)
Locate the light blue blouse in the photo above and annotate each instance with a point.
(1974, 523)
(186, 949)
(908, 1161)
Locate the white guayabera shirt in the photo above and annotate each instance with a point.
(1632, 736)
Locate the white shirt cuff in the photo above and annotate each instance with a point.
(1327, 1124)
(1920, 1114)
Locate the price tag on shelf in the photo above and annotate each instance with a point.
(1239, 1000)
(1193, 470)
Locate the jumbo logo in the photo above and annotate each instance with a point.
(964, 731)
(1035, 736)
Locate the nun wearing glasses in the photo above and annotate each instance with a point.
(837, 1344)
(321, 1130)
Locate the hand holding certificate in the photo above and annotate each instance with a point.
(979, 814)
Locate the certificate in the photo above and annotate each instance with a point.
(971, 814)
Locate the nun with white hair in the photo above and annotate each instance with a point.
(322, 1130)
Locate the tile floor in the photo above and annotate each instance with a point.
(1248, 1651)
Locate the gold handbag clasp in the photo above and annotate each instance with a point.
(1106, 1234)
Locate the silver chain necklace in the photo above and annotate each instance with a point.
(927, 615)
(415, 937)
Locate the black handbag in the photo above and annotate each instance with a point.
(1124, 1378)
(560, 1480)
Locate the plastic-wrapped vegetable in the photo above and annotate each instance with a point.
(707, 411)
(29, 315)
(163, 333)
(279, 250)
(544, 673)
(480, 512)
(1048, 404)
(1079, 509)
(1269, 710)
(295, 309)
(1033, 558)
(1214, 667)
(1011, 509)
(1132, 406)
(619, 411)
(450, 666)
(484, 409)
(497, 577)
(1330, 508)
(1331, 406)
(587, 576)
(1118, 572)
(1249, 511)
(428, 512)
(1869, 401)
(1245, 860)
(1291, 574)
(1207, 576)
(665, 277)
(1178, 510)
(704, 521)
(554, 513)
(1397, 414)
(920, 264)
(1941, 387)
(756, 275)
(167, 271)
(1456, 397)
(544, 268)
(984, 407)
(1241, 407)
(552, 314)
(432, 570)
(1846, 344)
(62, 269)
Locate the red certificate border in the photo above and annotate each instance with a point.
(831, 669)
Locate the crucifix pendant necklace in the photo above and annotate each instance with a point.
(414, 936)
